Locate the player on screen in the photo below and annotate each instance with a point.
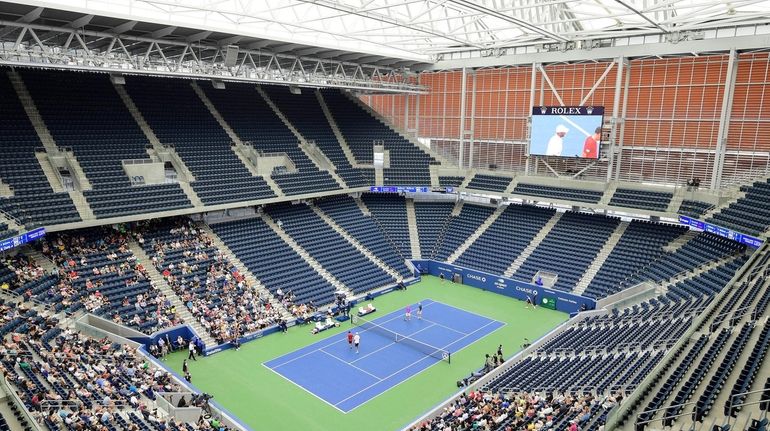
(350, 340)
(408, 313)
(591, 144)
(356, 341)
(556, 143)
(419, 310)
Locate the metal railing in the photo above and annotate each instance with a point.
(14, 398)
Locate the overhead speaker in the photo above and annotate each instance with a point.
(293, 89)
(231, 55)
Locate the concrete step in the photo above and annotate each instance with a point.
(434, 177)
(41, 259)
(190, 193)
(362, 206)
(607, 196)
(51, 174)
(679, 241)
(305, 255)
(597, 263)
(414, 236)
(476, 234)
(84, 210)
(354, 242)
(468, 179)
(160, 283)
(337, 133)
(32, 113)
(536, 240)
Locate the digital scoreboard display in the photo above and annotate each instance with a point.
(567, 131)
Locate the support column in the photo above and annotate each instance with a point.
(724, 121)
(615, 119)
(624, 110)
(528, 137)
(472, 131)
(463, 89)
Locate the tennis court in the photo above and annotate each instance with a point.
(392, 350)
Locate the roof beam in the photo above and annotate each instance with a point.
(521, 23)
(122, 28)
(163, 32)
(636, 11)
(26, 19)
(197, 37)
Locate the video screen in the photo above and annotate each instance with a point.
(567, 131)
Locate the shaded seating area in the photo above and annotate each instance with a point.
(579, 195)
(641, 199)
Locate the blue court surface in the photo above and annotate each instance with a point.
(335, 373)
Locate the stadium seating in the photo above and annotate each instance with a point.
(432, 220)
(450, 181)
(749, 214)
(6, 232)
(408, 164)
(99, 274)
(568, 250)
(373, 235)
(273, 262)
(505, 239)
(335, 254)
(34, 202)
(458, 229)
(203, 277)
(694, 208)
(180, 119)
(389, 211)
(641, 244)
(304, 112)
(489, 182)
(579, 195)
(84, 112)
(642, 199)
(252, 119)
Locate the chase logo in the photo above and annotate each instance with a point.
(480, 278)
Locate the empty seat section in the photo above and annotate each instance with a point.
(505, 239)
(389, 211)
(34, 202)
(459, 229)
(579, 195)
(305, 113)
(85, 113)
(569, 248)
(408, 163)
(642, 199)
(432, 220)
(346, 263)
(450, 181)
(273, 261)
(252, 119)
(180, 119)
(489, 182)
(694, 208)
(366, 230)
(749, 214)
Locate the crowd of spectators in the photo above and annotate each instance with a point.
(98, 272)
(479, 410)
(223, 301)
(70, 381)
(24, 269)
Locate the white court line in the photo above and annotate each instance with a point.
(398, 315)
(445, 327)
(350, 363)
(388, 345)
(412, 364)
(304, 389)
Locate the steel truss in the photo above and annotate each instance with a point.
(36, 45)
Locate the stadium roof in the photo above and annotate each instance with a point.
(371, 37)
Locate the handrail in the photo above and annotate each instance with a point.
(19, 403)
(637, 422)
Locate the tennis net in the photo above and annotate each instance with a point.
(427, 349)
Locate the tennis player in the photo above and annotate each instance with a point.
(529, 303)
(419, 310)
(350, 340)
(356, 341)
(408, 314)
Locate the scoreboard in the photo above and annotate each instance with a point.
(721, 231)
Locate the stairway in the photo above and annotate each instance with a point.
(160, 283)
(306, 256)
(362, 206)
(354, 242)
(467, 180)
(676, 200)
(51, 174)
(607, 196)
(716, 209)
(414, 237)
(696, 272)
(475, 235)
(303, 142)
(190, 193)
(31, 109)
(41, 259)
(81, 205)
(598, 261)
(260, 288)
(509, 190)
(536, 240)
(340, 137)
(379, 177)
(679, 241)
(434, 177)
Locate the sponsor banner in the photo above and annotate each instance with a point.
(550, 298)
(721, 231)
(22, 239)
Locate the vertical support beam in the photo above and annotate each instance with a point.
(532, 92)
(417, 111)
(472, 131)
(463, 90)
(624, 110)
(550, 84)
(615, 119)
(724, 121)
(406, 113)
